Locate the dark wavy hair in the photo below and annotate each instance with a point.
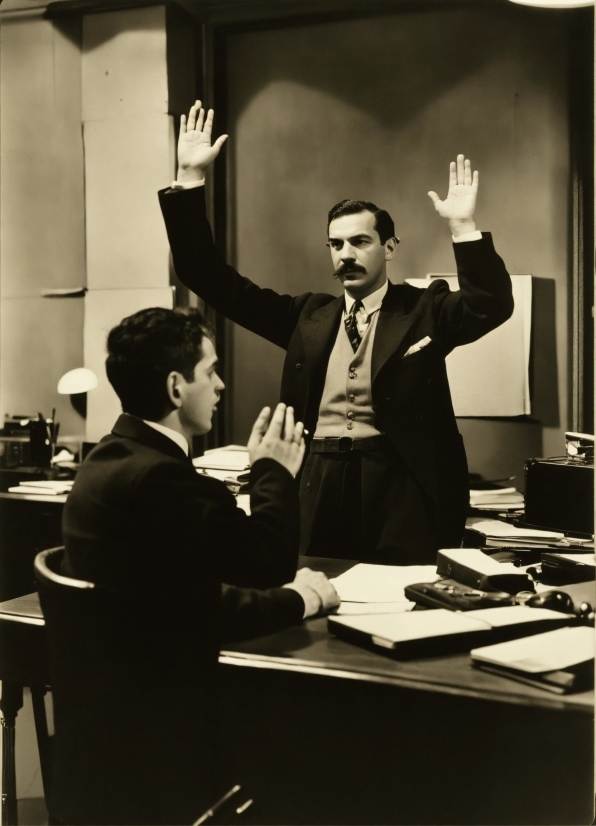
(144, 349)
(383, 221)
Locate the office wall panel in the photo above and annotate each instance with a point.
(126, 161)
(124, 56)
(375, 109)
(42, 217)
(42, 207)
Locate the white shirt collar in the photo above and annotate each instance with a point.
(171, 434)
(372, 302)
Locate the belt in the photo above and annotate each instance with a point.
(343, 444)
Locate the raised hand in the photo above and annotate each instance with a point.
(266, 439)
(195, 152)
(460, 203)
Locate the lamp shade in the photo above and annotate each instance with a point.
(79, 380)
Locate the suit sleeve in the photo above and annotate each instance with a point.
(247, 613)
(484, 299)
(202, 269)
(198, 521)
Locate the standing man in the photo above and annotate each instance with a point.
(385, 479)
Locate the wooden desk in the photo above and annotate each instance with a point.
(324, 732)
(30, 524)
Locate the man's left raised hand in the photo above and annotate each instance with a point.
(460, 203)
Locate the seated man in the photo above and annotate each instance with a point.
(143, 525)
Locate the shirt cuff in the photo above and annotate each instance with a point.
(189, 185)
(467, 236)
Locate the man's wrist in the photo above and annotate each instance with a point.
(190, 176)
(312, 601)
(459, 227)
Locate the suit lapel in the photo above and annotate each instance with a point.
(392, 327)
(318, 336)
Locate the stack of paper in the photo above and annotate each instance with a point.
(379, 589)
(498, 499)
(47, 488)
(230, 458)
(495, 533)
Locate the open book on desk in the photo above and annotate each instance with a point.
(439, 631)
(559, 661)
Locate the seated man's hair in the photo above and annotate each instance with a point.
(383, 221)
(144, 349)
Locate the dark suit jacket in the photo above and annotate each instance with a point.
(135, 686)
(142, 522)
(410, 395)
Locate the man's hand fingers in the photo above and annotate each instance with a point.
(182, 124)
(277, 421)
(475, 181)
(289, 425)
(192, 116)
(434, 197)
(259, 428)
(219, 143)
(452, 175)
(200, 120)
(467, 173)
(460, 169)
(298, 431)
(208, 124)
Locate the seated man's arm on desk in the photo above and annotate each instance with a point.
(484, 299)
(247, 613)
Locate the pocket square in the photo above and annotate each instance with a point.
(415, 348)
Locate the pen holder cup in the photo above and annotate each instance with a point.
(41, 448)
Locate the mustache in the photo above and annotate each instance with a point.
(347, 268)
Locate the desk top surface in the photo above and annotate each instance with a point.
(311, 648)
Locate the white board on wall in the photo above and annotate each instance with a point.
(105, 309)
(490, 377)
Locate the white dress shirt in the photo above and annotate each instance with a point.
(171, 434)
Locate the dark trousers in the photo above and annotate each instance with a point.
(365, 506)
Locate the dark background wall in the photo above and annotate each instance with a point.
(375, 108)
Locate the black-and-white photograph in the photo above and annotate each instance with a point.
(297, 412)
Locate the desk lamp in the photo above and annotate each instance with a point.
(76, 383)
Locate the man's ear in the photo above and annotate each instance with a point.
(391, 248)
(173, 384)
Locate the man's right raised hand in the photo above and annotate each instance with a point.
(266, 439)
(195, 152)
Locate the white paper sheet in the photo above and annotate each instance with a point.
(381, 583)
(502, 530)
(355, 609)
(551, 651)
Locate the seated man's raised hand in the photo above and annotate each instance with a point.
(280, 439)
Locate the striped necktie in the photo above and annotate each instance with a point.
(352, 325)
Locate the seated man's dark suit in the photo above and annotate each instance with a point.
(160, 539)
(418, 499)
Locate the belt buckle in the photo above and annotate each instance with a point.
(345, 443)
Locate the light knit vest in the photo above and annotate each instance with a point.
(346, 404)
